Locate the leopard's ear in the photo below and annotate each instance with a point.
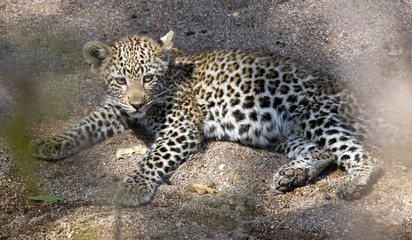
(96, 53)
(167, 41)
(164, 52)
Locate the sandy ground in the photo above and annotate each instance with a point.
(45, 86)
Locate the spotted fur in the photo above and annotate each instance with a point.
(254, 98)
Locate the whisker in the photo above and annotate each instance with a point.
(162, 93)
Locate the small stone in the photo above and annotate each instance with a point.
(235, 14)
(327, 196)
(403, 168)
(201, 189)
(94, 183)
(189, 33)
(394, 50)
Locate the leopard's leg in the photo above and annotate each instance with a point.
(174, 144)
(101, 124)
(333, 134)
(308, 161)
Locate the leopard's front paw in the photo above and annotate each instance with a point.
(42, 148)
(51, 148)
(133, 191)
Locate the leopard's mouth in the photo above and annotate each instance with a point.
(138, 111)
(131, 110)
(134, 111)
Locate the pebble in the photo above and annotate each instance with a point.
(189, 33)
(235, 14)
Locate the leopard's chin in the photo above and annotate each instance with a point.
(138, 114)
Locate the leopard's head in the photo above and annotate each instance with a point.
(133, 69)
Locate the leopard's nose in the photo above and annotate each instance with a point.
(137, 106)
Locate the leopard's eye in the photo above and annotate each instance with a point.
(121, 81)
(147, 78)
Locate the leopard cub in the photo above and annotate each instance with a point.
(249, 97)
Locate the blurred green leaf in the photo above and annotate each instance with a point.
(50, 198)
